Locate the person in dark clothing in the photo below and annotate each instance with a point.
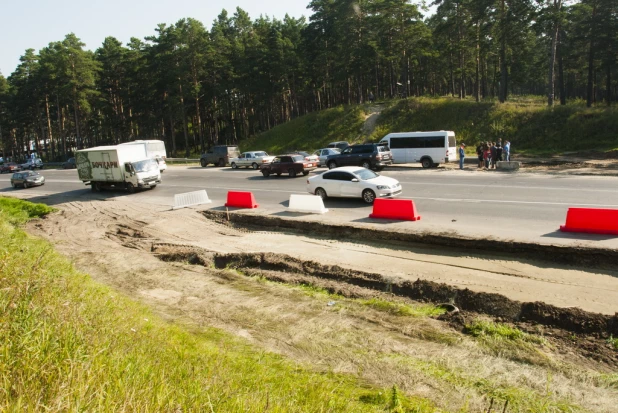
(371, 97)
(499, 152)
(494, 154)
(479, 153)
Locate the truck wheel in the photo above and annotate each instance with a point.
(332, 165)
(95, 186)
(221, 163)
(203, 163)
(130, 188)
(266, 173)
(292, 173)
(234, 166)
(255, 165)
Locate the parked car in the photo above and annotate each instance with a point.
(370, 156)
(26, 179)
(219, 155)
(10, 167)
(308, 156)
(69, 164)
(289, 164)
(32, 164)
(339, 145)
(353, 182)
(251, 159)
(322, 154)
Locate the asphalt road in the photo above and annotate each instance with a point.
(489, 204)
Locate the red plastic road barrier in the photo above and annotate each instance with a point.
(403, 209)
(240, 200)
(591, 220)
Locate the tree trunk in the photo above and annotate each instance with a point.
(50, 135)
(608, 79)
(503, 67)
(61, 126)
(477, 82)
(590, 88)
(552, 57)
(561, 75)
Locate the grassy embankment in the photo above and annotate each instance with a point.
(532, 127)
(68, 343)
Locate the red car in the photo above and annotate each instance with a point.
(288, 164)
(10, 167)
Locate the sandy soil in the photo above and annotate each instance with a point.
(113, 241)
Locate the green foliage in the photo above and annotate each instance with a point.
(17, 211)
(613, 341)
(402, 309)
(68, 344)
(529, 125)
(310, 132)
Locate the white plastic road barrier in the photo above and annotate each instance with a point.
(311, 204)
(191, 198)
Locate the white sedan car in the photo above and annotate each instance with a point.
(353, 182)
(323, 153)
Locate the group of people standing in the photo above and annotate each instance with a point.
(489, 153)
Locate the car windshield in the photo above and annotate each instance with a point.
(145, 166)
(297, 158)
(30, 173)
(366, 174)
(261, 154)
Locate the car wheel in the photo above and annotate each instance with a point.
(14, 185)
(255, 165)
(153, 186)
(234, 166)
(221, 163)
(321, 193)
(426, 163)
(366, 164)
(332, 165)
(292, 173)
(267, 174)
(130, 188)
(26, 186)
(278, 173)
(369, 196)
(203, 162)
(305, 173)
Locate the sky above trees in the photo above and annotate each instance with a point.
(36, 23)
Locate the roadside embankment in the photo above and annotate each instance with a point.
(571, 255)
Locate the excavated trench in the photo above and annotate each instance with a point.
(352, 283)
(569, 255)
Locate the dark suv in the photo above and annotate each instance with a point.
(370, 156)
(219, 155)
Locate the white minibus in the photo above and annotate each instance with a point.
(428, 148)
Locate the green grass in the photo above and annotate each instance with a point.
(509, 342)
(613, 341)
(15, 211)
(519, 399)
(68, 343)
(310, 132)
(420, 310)
(532, 127)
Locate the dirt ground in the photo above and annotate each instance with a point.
(178, 262)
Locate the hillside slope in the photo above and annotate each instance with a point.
(531, 126)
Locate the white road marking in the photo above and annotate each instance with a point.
(479, 201)
(493, 186)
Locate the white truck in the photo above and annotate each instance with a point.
(120, 166)
(154, 149)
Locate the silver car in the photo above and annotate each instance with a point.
(323, 154)
(26, 179)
